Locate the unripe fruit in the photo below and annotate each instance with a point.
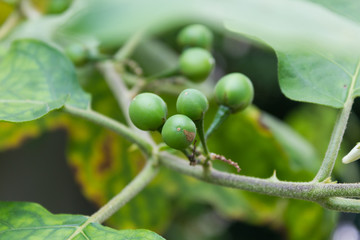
(148, 111)
(192, 103)
(196, 64)
(179, 131)
(195, 35)
(235, 91)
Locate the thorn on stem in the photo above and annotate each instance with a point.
(274, 177)
(214, 156)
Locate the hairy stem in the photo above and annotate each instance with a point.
(28, 10)
(221, 115)
(121, 93)
(341, 204)
(334, 144)
(10, 23)
(130, 191)
(117, 86)
(111, 124)
(337, 134)
(298, 190)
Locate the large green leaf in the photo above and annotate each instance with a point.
(319, 76)
(20, 220)
(35, 79)
(281, 23)
(346, 8)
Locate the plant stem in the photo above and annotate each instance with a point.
(111, 124)
(129, 47)
(164, 74)
(28, 10)
(129, 192)
(299, 190)
(334, 144)
(221, 115)
(117, 86)
(9, 24)
(200, 131)
(337, 134)
(121, 93)
(341, 204)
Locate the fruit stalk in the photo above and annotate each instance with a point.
(200, 130)
(221, 115)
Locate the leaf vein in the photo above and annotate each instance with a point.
(38, 228)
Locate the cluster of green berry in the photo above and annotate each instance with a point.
(233, 92)
(196, 62)
(148, 111)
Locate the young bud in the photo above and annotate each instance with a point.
(353, 155)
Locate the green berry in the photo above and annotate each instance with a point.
(196, 64)
(148, 111)
(192, 103)
(77, 53)
(179, 131)
(195, 35)
(235, 91)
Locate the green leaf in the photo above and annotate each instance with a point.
(36, 79)
(346, 8)
(319, 78)
(290, 27)
(20, 220)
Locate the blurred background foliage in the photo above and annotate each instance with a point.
(72, 166)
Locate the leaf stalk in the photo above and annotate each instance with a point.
(113, 125)
(130, 191)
